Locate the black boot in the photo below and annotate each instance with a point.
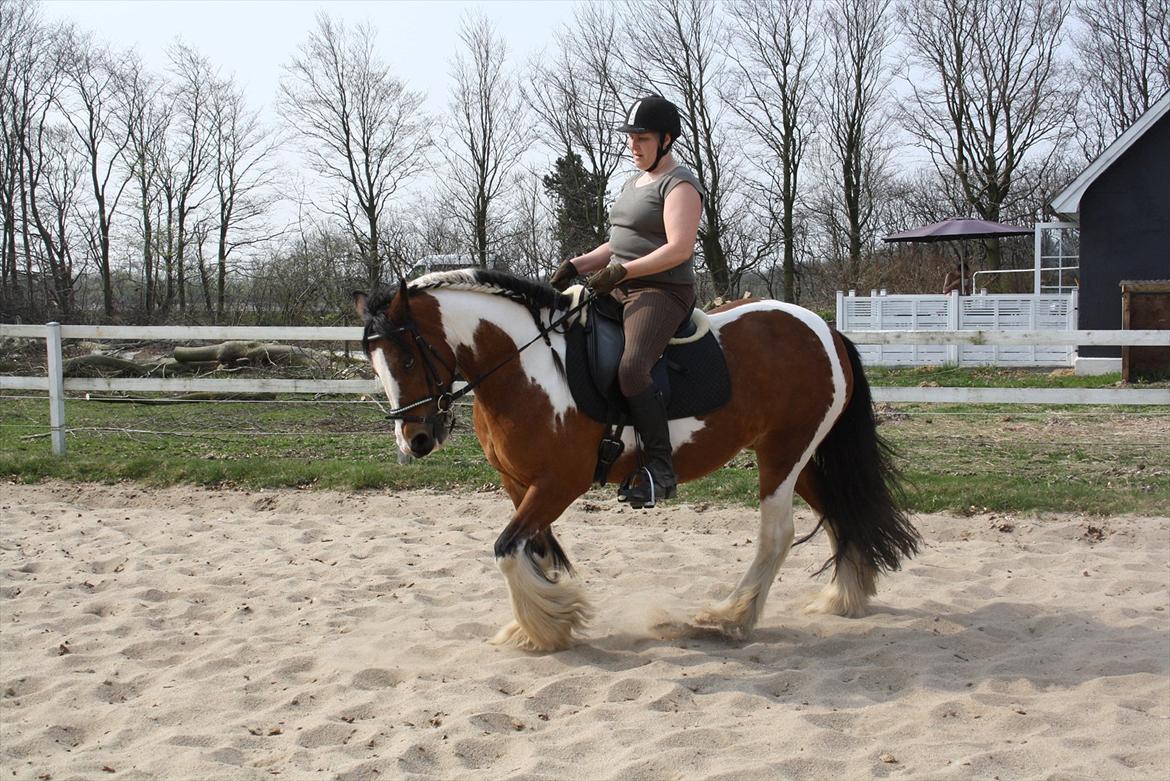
(656, 480)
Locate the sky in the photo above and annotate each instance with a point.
(252, 39)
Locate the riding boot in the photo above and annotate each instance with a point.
(656, 480)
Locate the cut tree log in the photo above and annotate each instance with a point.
(255, 353)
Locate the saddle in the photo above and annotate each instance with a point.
(691, 375)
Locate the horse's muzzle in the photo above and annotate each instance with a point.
(421, 444)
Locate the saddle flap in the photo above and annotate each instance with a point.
(605, 343)
(691, 375)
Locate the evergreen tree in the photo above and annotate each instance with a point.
(579, 198)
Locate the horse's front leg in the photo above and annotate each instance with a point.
(547, 603)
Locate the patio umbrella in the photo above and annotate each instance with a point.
(956, 228)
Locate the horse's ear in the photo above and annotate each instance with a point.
(400, 306)
(360, 300)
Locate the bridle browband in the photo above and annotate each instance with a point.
(445, 401)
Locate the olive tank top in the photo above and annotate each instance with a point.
(636, 224)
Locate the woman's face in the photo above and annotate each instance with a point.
(644, 148)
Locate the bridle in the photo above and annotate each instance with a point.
(444, 400)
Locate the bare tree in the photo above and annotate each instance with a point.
(93, 101)
(857, 127)
(362, 128)
(242, 172)
(776, 53)
(187, 185)
(147, 119)
(29, 80)
(987, 94)
(675, 46)
(532, 236)
(577, 96)
(1124, 66)
(486, 136)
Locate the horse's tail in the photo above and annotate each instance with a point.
(857, 483)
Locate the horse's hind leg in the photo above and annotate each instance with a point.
(853, 582)
(738, 613)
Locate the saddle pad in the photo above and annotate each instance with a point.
(695, 374)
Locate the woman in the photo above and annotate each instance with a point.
(648, 265)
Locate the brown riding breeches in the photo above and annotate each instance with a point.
(652, 315)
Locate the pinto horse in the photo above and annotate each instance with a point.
(799, 400)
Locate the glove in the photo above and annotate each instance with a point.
(607, 279)
(564, 274)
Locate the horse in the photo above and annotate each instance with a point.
(799, 399)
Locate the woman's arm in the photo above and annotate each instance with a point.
(592, 260)
(680, 214)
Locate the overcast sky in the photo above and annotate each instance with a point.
(418, 39)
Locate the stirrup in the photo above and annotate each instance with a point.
(629, 491)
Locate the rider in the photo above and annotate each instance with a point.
(648, 265)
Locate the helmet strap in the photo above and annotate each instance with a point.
(663, 149)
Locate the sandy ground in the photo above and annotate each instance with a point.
(192, 634)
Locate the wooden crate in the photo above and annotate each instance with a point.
(1145, 304)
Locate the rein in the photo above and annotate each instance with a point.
(445, 401)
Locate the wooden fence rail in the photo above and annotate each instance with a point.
(57, 385)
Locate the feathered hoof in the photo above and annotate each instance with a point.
(547, 610)
(512, 635)
(722, 621)
(837, 602)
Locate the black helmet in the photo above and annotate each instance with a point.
(654, 114)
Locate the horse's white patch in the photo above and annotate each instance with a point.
(390, 386)
(462, 311)
(682, 431)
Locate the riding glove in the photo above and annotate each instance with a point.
(564, 275)
(607, 279)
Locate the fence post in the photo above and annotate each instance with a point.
(953, 324)
(56, 388)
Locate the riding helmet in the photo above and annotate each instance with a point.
(652, 114)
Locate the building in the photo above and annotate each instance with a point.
(432, 263)
(1121, 204)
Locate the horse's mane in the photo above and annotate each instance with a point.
(530, 293)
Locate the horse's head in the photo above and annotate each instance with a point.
(413, 362)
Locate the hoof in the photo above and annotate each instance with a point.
(835, 603)
(714, 620)
(513, 635)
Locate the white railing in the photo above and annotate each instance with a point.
(57, 385)
(983, 312)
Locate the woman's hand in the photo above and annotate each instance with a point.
(607, 279)
(563, 276)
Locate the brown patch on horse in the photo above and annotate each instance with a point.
(799, 379)
(519, 452)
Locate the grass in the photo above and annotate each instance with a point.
(954, 458)
(948, 376)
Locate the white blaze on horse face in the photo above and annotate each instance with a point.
(390, 386)
(467, 309)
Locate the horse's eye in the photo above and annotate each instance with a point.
(408, 362)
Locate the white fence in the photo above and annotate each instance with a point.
(998, 312)
(57, 385)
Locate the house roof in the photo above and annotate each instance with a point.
(1068, 202)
